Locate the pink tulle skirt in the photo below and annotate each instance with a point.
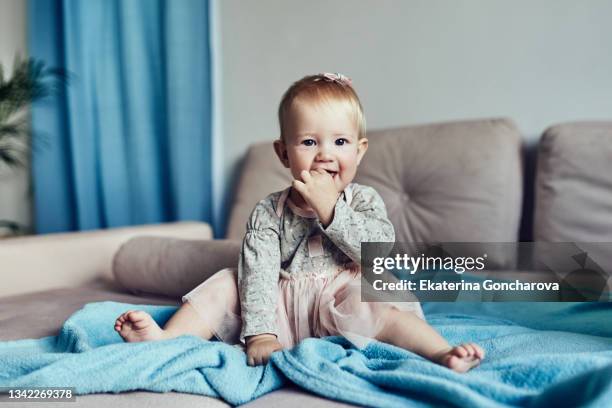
(315, 305)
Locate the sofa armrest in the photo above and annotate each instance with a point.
(41, 262)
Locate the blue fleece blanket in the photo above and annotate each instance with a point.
(538, 354)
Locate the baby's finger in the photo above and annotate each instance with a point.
(258, 359)
(298, 185)
(317, 171)
(306, 176)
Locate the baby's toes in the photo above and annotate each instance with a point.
(139, 319)
(124, 320)
(124, 316)
(460, 351)
(119, 323)
(136, 315)
(470, 349)
(479, 352)
(476, 351)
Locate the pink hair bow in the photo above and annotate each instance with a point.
(337, 77)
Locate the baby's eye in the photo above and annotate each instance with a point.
(341, 141)
(308, 142)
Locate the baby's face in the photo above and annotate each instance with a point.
(322, 137)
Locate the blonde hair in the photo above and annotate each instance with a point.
(322, 88)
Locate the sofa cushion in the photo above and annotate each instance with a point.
(574, 183)
(170, 266)
(261, 174)
(448, 182)
(443, 182)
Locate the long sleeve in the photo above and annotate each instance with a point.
(364, 221)
(258, 273)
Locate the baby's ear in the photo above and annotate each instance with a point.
(362, 147)
(281, 152)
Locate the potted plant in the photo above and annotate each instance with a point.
(30, 80)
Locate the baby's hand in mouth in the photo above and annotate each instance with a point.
(323, 171)
(323, 175)
(319, 191)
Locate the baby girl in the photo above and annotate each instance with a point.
(298, 275)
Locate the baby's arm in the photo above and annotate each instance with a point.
(364, 221)
(258, 273)
(260, 347)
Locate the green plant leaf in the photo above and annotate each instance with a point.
(30, 80)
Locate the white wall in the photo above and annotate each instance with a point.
(15, 203)
(416, 61)
(412, 61)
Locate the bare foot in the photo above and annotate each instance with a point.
(136, 325)
(461, 358)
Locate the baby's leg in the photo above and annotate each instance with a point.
(205, 308)
(406, 330)
(137, 325)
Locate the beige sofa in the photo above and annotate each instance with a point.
(455, 181)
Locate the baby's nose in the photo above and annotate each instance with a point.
(324, 153)
(324, 157)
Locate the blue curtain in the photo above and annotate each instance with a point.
(129, 141)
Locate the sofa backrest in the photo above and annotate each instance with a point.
(574, 183)
(443, 182)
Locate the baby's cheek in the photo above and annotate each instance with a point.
(347, 176)
(349, 167)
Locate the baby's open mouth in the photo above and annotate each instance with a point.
(331, 172)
